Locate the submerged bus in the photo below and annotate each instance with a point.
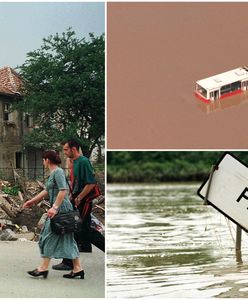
(222, 85)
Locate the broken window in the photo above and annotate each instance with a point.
(18, 160)
(29, 121)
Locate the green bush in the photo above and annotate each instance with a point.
(11, 190)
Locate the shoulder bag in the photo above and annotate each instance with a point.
(67, 222)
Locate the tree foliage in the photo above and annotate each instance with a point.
(163, 166)
(64, 90)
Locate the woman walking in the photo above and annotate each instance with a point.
(53, 245)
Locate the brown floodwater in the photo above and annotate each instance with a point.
(155, 54)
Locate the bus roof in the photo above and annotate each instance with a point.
(225, 78)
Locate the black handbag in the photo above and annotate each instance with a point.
(66, 222)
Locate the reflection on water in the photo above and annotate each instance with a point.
(163, 242)
(221, 104)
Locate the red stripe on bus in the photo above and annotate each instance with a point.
(231, 93)
(205, 100)
(201, 98)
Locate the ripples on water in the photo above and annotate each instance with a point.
(163, 242)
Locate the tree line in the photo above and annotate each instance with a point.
(163, 166)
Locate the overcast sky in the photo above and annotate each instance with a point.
(24, 25)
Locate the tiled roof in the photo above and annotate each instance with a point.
(10, 81)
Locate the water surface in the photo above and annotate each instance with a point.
(156, 53)
(163, 242)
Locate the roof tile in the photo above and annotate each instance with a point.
(10, 81)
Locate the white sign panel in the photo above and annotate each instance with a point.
(228, 191)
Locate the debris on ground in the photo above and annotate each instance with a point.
(97, 225)
(98, 209)
(17, 223)
(8, 235)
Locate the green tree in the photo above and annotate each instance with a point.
(163, 166)
(64, 91)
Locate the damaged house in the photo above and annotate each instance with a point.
(13, 126)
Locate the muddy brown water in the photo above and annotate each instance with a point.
(156, 52)
(164, 243)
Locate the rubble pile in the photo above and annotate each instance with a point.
(15, 220)
(98, 210)
(26, 224)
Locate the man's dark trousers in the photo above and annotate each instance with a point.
(87, 234)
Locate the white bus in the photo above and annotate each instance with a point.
(222, 85)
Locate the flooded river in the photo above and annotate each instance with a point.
(156, 52)
(163, 242)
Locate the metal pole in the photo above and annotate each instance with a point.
(238, 244)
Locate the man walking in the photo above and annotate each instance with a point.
(83, 187)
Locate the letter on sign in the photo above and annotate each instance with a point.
(243, 195)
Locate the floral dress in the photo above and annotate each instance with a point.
(53, 245)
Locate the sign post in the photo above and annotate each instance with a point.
(226, 190)
(238, 244)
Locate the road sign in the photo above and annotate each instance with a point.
(228, 192)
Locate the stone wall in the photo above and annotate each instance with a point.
(10, 136)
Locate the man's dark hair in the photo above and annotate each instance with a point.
(71, 143)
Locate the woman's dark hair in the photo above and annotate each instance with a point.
(53, 156)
